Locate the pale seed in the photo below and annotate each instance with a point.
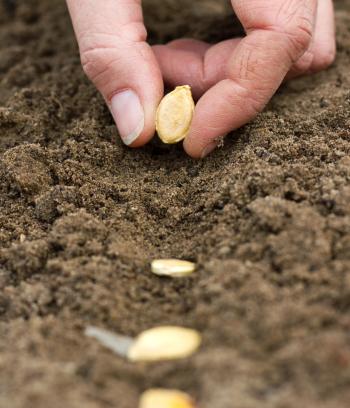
(164, 343)
(118, 343)
(159, 398)
(174, 115)
(174, 268)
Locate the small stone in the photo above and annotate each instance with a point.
(164, 343)
(174, 115)
(173, 268)
(161, 398)
(324, 103)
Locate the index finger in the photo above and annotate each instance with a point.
(278, 33)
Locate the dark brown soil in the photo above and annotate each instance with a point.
(267, 218)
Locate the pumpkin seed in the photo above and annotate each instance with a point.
(160, 398)
(174, 115)
(164, 343)
(174, 268)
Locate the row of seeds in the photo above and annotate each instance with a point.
(157, 344)
(174, 117)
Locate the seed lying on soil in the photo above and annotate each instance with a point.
(159, 398)
(173, 268)
(174, 115)
(164, 343)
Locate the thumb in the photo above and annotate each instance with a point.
(117, 59)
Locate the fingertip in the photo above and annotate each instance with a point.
(191, 153)
(120, 63)
(150, 106)
(144, 131)
(134, 109)
(211, 121)
(194, 146)
(203, 150)
(143, 139)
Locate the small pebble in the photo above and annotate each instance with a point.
(173, 268)
(160, 398)
(164, 343)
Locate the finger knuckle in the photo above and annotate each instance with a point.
(133, 31)
(324, 59)
(299, 39)
(100, 51)
(304, 64)
(96, 62)
(296, 19)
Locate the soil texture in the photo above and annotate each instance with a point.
(267, 219)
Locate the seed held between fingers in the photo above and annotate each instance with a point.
(173, 268)
(174, 115)
(164, 343)
(161, 398)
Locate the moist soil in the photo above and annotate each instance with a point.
(267, 219)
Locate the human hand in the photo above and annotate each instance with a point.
(233, 79)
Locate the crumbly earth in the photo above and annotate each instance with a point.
(267, 219)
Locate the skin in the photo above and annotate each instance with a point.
(232, 80)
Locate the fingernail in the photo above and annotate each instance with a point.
(128, 114)
(208, 149)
